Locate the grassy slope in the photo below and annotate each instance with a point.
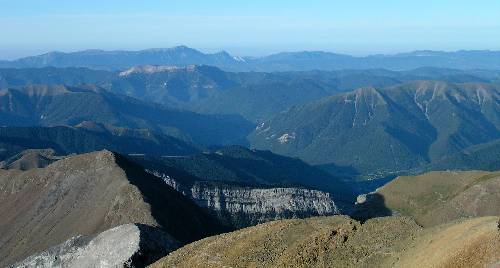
(439, 197)
(472, 243)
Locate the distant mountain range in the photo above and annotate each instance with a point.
(256, 96)
(286, 61)
(381, 131)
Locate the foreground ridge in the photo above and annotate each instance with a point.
(339, 241)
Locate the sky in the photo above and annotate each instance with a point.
(248, 28)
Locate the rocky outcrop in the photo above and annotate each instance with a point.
(129, 245)
(242, 206)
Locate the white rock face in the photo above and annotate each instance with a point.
(277, 201)
(128, 245)
(246, 206)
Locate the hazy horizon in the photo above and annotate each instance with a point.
(242, 54)
(259, 28)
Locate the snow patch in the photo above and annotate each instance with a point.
(260, 128)
(240, 59)
(285, 138)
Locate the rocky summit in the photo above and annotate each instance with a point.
(85, 195)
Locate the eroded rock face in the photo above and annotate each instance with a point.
(250, 206)
(129, 245)
(245, 206)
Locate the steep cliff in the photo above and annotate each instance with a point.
(242, 206)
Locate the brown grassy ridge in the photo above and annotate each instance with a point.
(439, 197)
(339, 241)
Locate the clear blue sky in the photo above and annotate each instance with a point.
(248, 27)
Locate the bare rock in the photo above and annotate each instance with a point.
(129, 245)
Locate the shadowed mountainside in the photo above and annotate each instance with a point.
(83, 139)
(61, 105)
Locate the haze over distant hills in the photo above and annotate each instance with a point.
(286, 61)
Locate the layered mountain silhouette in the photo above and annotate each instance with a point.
(286, 61)
(113, 60)
(256, 96)
(395, 129)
